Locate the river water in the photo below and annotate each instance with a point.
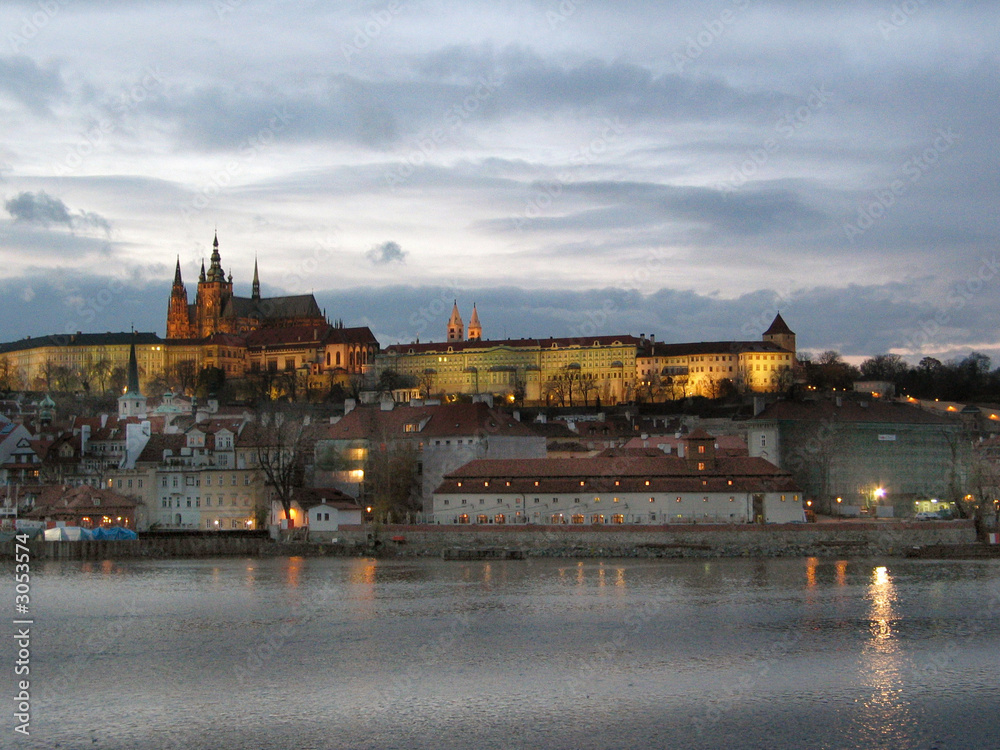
(357, 653)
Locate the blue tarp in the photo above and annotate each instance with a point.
(114, 532)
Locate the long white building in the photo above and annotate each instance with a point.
(634, 488)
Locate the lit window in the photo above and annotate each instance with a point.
(701, 466)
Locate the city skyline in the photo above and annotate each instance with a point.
(570, 167)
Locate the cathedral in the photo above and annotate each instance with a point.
(217, 310)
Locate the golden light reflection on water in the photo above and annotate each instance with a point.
(885, 712)
(811, 565)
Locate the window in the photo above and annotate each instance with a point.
(763, 441)
(482, 518)
(701, 466)
(701, 448)
(617, 518)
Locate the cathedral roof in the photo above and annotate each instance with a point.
(270, 308)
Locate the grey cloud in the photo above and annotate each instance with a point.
(35, 87)
(386, 253)
(41, 208)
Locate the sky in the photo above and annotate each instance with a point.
(683, 169)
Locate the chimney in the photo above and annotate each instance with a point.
(758, 405)
(349, 405)
(840, 401)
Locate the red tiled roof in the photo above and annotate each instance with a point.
(599, 474)
(367, 422)
(851, 410)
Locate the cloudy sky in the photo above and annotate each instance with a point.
(572, 166)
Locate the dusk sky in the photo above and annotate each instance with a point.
(572, 166)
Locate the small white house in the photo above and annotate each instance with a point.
(329, 516)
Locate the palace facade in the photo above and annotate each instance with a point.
(587, 370)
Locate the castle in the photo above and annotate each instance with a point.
(217, 310)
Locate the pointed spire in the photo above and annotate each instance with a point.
(177, 273)
(201, 276)
(132, 388)
(475, 327)
(255, 294)
(215, 272)
(456, 329)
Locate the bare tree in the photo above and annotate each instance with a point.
(280, 438)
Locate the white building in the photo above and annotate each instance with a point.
(622, 489)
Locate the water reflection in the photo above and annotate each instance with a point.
(885, 713)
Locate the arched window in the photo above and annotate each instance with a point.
(338, 359)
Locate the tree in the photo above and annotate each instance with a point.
(185, 374)
(888, 367)
(211, 381)
(99, 374)
(830, 371)
(391, 479)
(281, 444)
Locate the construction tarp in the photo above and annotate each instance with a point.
(114, 532)
(67, 534)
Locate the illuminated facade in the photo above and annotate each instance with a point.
(217, 310)
(708, 368)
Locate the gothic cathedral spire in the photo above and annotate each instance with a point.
(255, 293)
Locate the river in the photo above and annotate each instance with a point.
(359, 653)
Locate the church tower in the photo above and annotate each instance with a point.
(178, 317)
(132, 403)
(475, 328)
(456, 328)
(779, 333)
(214, 291)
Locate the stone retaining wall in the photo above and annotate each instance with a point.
(697, 540)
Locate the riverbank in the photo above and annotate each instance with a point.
(843, 539)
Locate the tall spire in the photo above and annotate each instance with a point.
(215, 272)
(177, 273)
(201, 276)
(475, 327)
(132, 388)
(456, 329)
(255, 294)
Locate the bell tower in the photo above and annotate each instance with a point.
(475, 328)
(456, 328)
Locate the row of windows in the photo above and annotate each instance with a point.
(220, 503)
(555, 500)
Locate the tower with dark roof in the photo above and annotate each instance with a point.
(779, 333)
(475, 328)
(456, 328)
(178, 310)
(132, 403)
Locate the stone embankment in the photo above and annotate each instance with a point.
(847, 539)
(853, 539)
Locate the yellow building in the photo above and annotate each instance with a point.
(559, 372)
(74, 361)
(709, 368)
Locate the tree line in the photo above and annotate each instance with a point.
(970, 378)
